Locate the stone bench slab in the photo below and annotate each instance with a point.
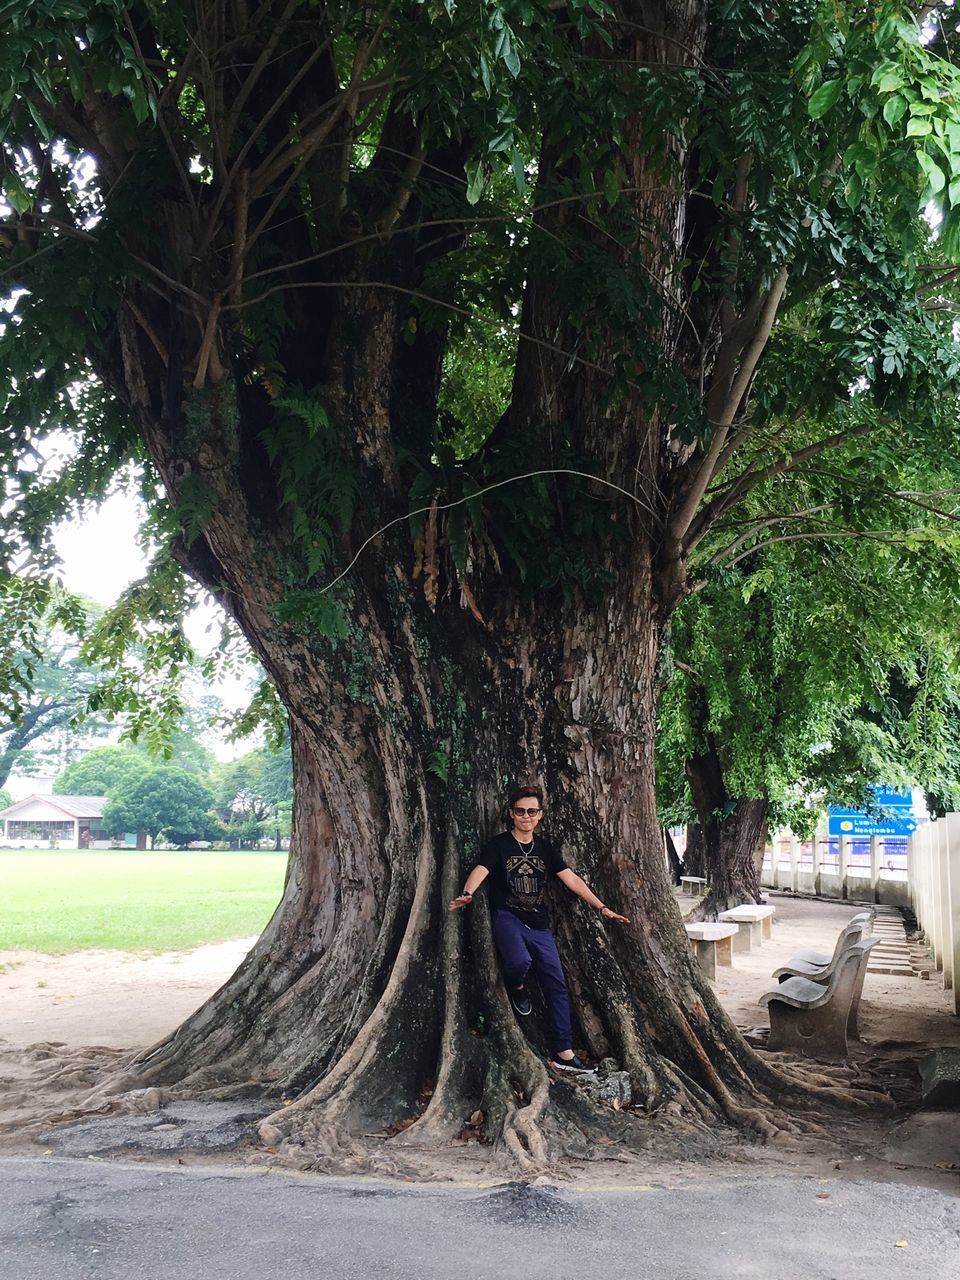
(709, 932)
(753, 922)
(748, 912)
(693, 886)
(713, 944)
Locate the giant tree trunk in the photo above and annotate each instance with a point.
(365, 1002)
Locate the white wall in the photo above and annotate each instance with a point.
(934, 868)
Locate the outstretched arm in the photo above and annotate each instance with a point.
(473, 882)
(580, 887)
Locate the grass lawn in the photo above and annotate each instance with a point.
(59, 902)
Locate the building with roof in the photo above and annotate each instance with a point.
(74, 822)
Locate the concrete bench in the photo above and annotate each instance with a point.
(812, 1018)
(753, 922)
(858, 924)
(693, 886)
(810, 964)
(712, 944)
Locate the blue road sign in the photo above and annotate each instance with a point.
(850, 822)
(892, 799)
(895, 819)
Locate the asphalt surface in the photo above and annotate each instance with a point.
(64, 1219)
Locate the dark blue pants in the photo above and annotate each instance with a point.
(521, 947)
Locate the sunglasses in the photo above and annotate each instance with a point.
(526, 813)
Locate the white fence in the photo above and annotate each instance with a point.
(934, 877)
(871, 869)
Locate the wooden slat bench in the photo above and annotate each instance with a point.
(712, 944)
(812, 1018)
(693, 886)
(754, 925)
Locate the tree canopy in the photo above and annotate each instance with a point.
(817, 665)
(165, 801)
(45, 683)
(102, 772)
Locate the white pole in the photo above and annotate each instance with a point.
(875, 845)
(946, 954)
(819, 835)
(953, 915)
(844, 865)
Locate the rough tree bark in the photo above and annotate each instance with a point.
(732, 836)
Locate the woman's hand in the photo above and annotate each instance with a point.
(612, 915)
(463, 901)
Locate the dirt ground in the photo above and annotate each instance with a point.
(64, 1018)
(892, 1008)
(108, 997)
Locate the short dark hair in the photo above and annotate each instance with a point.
(522, 793)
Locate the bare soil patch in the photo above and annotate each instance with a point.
(108, 997)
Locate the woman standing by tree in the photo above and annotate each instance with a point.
(519, 863)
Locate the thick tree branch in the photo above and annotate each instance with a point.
(695, 491)
(748, 480)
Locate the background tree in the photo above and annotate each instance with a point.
(165, 801)
(244, 245)
(48, 687)
(104, 771)
(804, 673)
(254, 793)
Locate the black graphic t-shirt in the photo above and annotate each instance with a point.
(518, 876)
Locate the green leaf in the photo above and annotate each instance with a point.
(822, 99)
(918, 128)
(893, 109)
(17, 195)
(950, 235)
(519, 175)
(438, 763)
(853, 190)
(474, 182)
(936, 179)
(889, 82)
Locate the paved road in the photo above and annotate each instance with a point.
(89, 1220)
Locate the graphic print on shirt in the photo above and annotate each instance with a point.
(526, 876)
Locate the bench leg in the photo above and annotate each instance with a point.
(743, 939)
(817, 1033)
(756, 932)
(724, 952)
(853, 1025)
(767, 922)
(707, 955)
